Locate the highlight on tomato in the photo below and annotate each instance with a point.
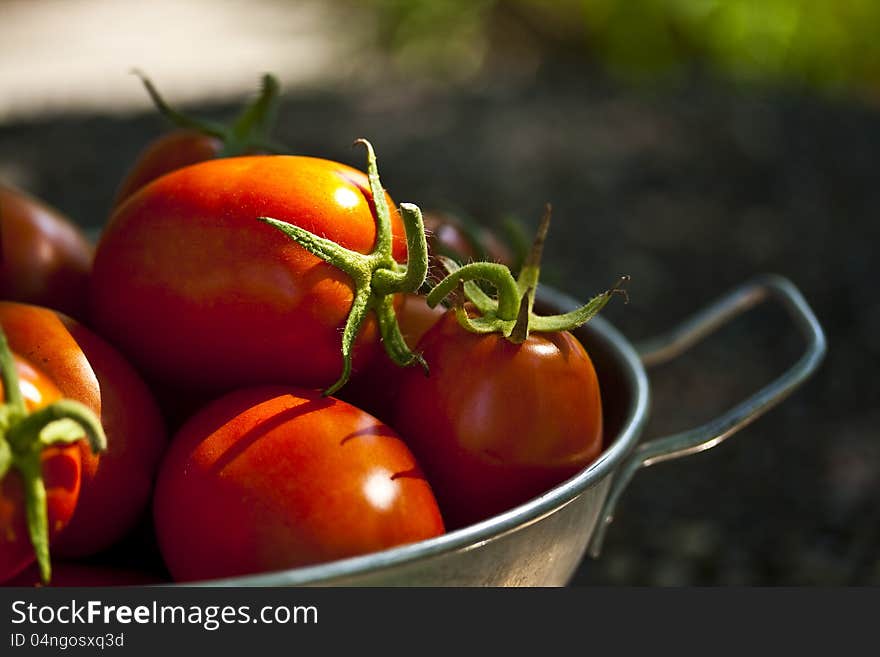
(213, 277)
(512, 405)
(116, 484)
(39, 462)
(196, 140)
(274, 477)
(45, 258)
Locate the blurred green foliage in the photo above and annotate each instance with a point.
(821, 44)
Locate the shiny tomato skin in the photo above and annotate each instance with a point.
(203, 297)
(496, 424)
(61, 477)
(276, 477)
(117, 484)
(376, 388)
(45, 258)
(169, 152)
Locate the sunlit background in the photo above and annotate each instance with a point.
(68, 54)
(689, 143)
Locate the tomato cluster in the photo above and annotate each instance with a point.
(266, 363)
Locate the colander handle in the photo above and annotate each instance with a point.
(670, 345)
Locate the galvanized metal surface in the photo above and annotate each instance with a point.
(542, 542)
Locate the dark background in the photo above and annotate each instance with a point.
(680, 167)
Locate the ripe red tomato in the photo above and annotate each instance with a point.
(44, 257)
(117, 484)
(276, 477)
(496, 423)
(60, 466)
(204, 297)
(376, 388)
(512, 406)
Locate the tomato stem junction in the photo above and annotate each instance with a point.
(511, 312)
(376, 276)
(23, 437)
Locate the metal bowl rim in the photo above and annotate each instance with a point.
(480, 533)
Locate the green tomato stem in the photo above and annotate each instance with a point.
(520, 331)
(531, 268)
(62, 422)
(23, 437)
(256, 120)
(5, 457)
(492, 272)
(483, 302)
(483, 324)
(409, 278)
(580, 316)
(178, 118)
(360, 307)
(528, 280)
(37, 514)
(376, 276)
(392, 338)
(512, 313)
(248, 131)
(9, 377)
(382, 248)
(355, 264)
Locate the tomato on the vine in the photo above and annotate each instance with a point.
(275, 477)
(45, 258)
(206, 277)
(40, 462)
(117, 484)
(497, 423)
(61, 477)
(512, 405)
(196, 140)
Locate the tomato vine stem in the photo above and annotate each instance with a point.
(376, 276)
(248, 131)
(511, 313)
(24, 436)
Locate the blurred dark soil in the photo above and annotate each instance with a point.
(691, 191)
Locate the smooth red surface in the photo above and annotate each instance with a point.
(44, 257)
(203, 297)
(496, 424)
(117, 484)
(61, 477)
(276, 477)
(173, 150)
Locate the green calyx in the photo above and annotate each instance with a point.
(376, 276)
(248, 131)
(23, 437)
(511, 311)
